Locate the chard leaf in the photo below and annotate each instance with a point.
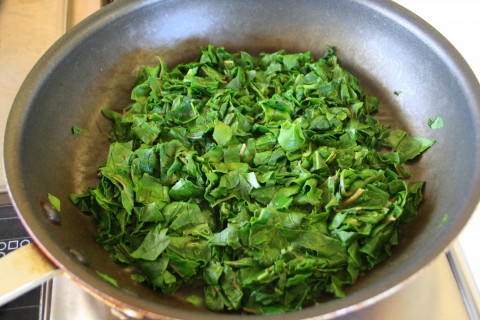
(291, 137)
(149, 190)
(184, 190)
(153, 245)
(222, 133)
(144, 130)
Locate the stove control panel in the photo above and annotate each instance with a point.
(13, 236)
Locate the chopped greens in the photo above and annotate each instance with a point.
(264, 180)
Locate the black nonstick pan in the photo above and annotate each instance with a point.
(95, 64)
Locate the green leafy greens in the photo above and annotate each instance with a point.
(264, 180)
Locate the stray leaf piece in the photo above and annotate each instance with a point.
(444, 219)
(77, 131)
(54, 201)
(397, 93)
(194, 299)
(435, 124)
(107, 278)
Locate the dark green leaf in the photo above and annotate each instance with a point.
(153, 245)
(291, 137)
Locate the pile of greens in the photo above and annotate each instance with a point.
(262, 179)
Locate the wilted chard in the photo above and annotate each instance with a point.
(265, 180)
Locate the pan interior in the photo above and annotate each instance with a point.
(94, 67)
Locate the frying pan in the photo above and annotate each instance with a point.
(94, 66)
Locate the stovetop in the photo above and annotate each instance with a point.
(443, 290)
(12, 237)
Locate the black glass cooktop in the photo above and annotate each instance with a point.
(13, 236)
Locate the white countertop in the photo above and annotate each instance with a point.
(458, 21)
